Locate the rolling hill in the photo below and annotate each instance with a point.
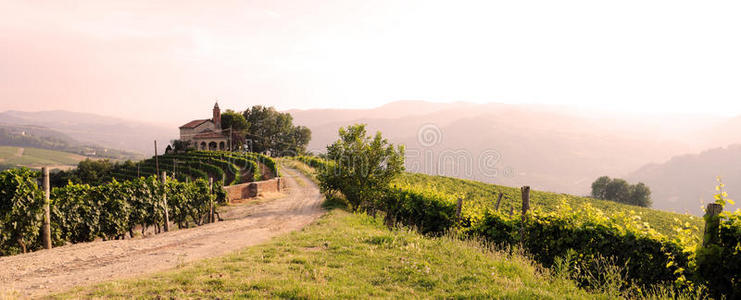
(94, 129)
(685, 182)
(35, 158)
(550, 148)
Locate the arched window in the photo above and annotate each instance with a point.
(221, 146)
(203, 145)
(212, 146)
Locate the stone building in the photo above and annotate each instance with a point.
(205, 134)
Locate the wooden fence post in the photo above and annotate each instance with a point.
(525, 207)
(712, 223)
(46, 226)
(458, 208)
(164, 200)
(499, 200)
(211, 199)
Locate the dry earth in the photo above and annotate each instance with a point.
(43, 272)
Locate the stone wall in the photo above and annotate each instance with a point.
(253, 189)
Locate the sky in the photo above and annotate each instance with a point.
(168, 61)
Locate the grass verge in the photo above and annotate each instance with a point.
(350, 256)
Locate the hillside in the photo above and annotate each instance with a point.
(45, 138)
(94, 129)
(550, 148)
(350, 256)
(35, 158)
(685, 182)
(480, 197)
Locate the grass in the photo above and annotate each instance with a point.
(35, 157)
(350, 256)
(480, 197)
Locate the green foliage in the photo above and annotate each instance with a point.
(650, 257)
(428, 211)
(363, 167)
(719, 260)
(21, 206)
(83, 213)
(621, 191)
(273, 131)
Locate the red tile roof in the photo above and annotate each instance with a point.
(209, 134)
(194, 123)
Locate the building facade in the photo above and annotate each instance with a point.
(206, 134)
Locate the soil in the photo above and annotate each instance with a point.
(48, 271)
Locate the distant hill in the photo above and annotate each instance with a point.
(45, 138)
(550, 148)
(94, 129)
(12, 157)
(685, 182)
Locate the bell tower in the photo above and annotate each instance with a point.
(217, 116)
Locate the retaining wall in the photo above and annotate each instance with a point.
(253, 189)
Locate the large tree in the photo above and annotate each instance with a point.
(619, 190)
(362, 166)
(236, 125)
(273, 131)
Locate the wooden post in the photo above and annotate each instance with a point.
(499, 200)
(156, 162)
(211, 199)
(525, 199)
(458, 208)
(164, 200)
(46, 226)
(712, 223)
(525, 207)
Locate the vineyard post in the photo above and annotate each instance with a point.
(711, 224)
(458, 207)
(211, 199)
(164, 200)
(156, 162)
(46, 226)
(525, 207)
(499, 200)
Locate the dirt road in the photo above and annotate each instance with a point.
(48, 271)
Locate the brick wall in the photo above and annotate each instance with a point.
(252, 189)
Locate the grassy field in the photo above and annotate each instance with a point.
(479, 197)
(351, 256)
(34, 157)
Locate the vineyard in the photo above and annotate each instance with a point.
(228, 167)
(134, 198)
(652, 248)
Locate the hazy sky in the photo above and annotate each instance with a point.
(167, 61)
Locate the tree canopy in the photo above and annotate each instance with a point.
(273, 131)
(362, 166)
(619, 190)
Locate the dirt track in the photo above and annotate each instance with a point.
(48, 271)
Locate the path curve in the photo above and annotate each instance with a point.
(47, 271)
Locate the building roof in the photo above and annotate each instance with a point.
(209, 134)
(194, 123)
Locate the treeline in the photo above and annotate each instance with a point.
(82, 213)
(621, 191)
(586, 244)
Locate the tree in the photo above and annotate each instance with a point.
(640, 195)
(619, 190)
(273, 131)
(599, 187)
(233, 120)
(362, 167)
